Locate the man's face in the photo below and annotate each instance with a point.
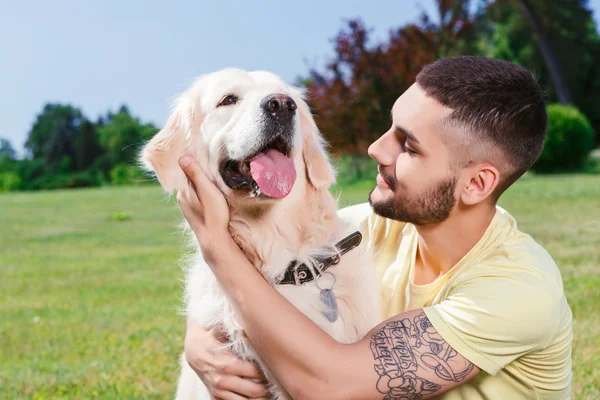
(416, 182)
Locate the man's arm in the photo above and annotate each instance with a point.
(404, 357)
(412, 360)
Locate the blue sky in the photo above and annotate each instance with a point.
(99, 55)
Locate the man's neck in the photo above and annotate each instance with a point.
(443, 245)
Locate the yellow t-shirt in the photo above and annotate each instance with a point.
(502, 306)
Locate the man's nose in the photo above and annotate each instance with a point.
(382, 151)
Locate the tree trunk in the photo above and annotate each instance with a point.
(562, 90)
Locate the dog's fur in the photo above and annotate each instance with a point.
(272, 233)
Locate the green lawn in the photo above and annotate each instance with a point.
(90, 287)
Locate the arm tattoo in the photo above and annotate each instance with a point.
(402, 347)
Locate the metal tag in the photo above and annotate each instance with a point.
(330, 302)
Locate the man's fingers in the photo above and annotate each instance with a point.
(246, 369)
(189, 166)
(199, 183)
(240, 386)
(193, 171)
(189, 203)
(223, 395)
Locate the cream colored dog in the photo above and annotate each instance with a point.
(256, 140)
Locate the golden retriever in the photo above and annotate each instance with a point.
(256, 139)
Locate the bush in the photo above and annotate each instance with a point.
(29, 170)
(569, 141)
(80, 179)
(593, 163)
(125, 174)
(352, 168)
(120, 216)
(62, 181)
(9, 181)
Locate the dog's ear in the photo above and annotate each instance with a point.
(319, 170)
(161, 154)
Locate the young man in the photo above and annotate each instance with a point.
(475, 308)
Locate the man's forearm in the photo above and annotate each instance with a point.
(293, 346)
(402, 357)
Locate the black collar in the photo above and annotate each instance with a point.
(297, 274)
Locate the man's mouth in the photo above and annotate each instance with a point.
(383, 178)
(269, 173)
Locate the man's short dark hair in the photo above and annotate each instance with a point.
(494, 102)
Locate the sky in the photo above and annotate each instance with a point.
(99, 55)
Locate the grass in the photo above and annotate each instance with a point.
(89, 285)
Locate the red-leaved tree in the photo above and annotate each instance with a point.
(353, 97)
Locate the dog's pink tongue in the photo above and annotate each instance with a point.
(274, 173)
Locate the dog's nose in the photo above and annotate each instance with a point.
(279, 105)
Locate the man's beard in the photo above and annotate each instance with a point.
(431, 207)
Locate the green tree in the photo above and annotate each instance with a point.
(9, 175)
(87, 146)
(60, 151)
(547, 38)
(53, 135)
(121, 135)
(6, 150)
(64, 138)
(558, 79)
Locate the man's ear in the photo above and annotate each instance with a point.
(161, 154)
(319, 170)
(482, 184)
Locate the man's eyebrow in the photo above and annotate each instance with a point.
(408, 134)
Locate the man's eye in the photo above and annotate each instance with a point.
(228, 100)
(408, 149)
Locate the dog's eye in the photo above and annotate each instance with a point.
(228, 100)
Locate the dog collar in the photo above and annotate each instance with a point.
(297, 274)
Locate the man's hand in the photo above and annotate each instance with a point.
(226, 376)
(205, 209)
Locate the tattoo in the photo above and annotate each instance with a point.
(402, 347)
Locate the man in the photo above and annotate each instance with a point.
(474, 308)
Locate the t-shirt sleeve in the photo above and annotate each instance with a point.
(498, 317)
(357, 216)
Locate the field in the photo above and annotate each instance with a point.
(90, 286)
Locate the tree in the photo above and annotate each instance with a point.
(562, 90)
(52, 137)
(59, 149)
(121, 136)
(87, 147)
(65, 149)
(546, 38)
(6, 150)
(52, 122)
(9, 176)
(354, 95)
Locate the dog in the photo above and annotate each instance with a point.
(256, 139)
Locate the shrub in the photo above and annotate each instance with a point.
(125, 174)
(569, 141)
(120, 216)
(62, 181)
(9, 181)
(593, 163)
(29, 170)
(352, 168)
(80, 179)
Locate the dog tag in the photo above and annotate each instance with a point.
(330, 302)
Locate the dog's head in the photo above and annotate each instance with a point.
(252, 133)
